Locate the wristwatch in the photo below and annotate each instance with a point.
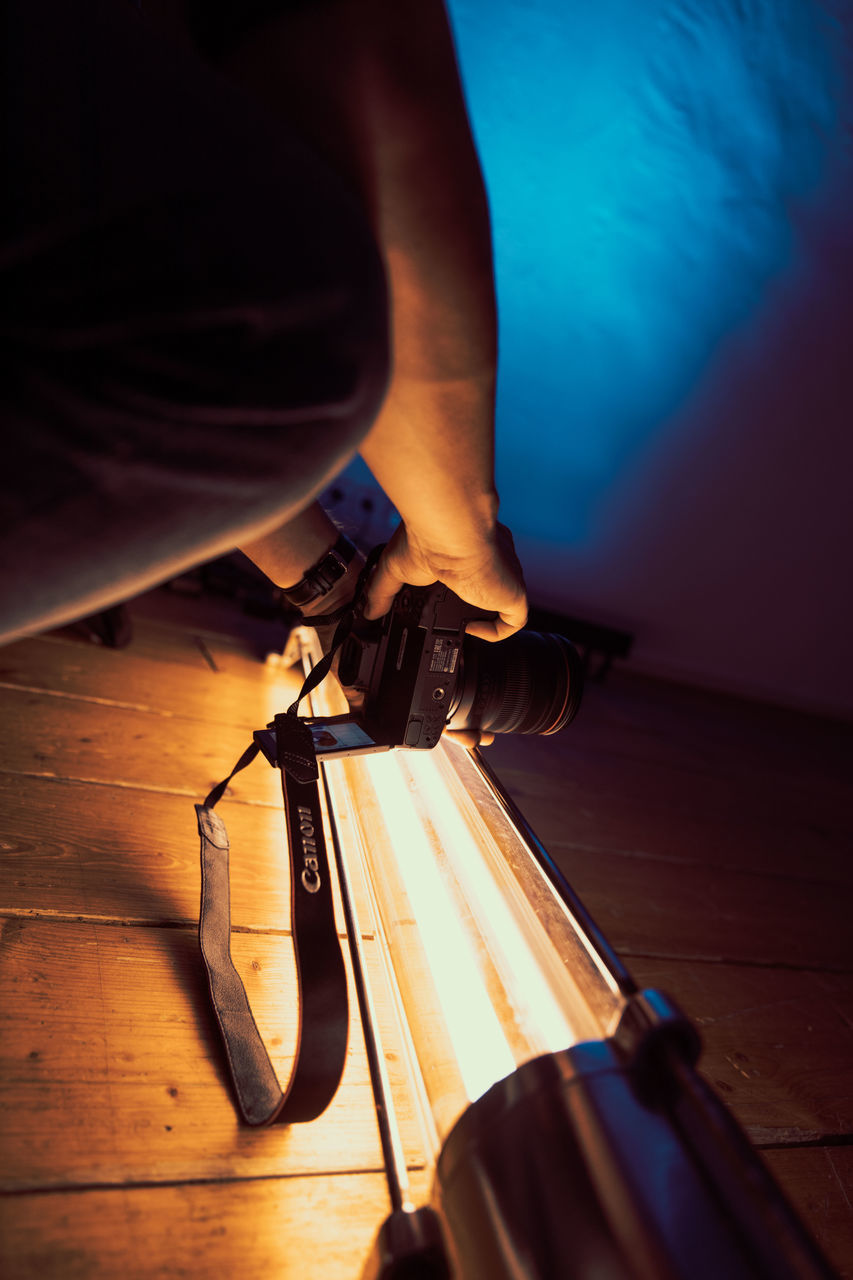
(323, 575)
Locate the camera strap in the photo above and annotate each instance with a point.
(323, 1014)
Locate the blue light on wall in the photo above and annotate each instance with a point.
(645, 161)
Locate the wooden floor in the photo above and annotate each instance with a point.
(709, 837)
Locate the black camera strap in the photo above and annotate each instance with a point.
(320, 975)
(323, 1014)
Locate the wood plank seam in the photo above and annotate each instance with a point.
(150, 922)
(795, 1138)
(74, 780)
(135, 922)
(233, 1179)
(568, 847)
(735, 961)
(44, 691)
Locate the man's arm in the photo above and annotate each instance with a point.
(286, 553)
(373, 84)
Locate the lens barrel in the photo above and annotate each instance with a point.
(530, 683)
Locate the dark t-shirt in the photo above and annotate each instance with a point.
(192, 314)
(219, 25)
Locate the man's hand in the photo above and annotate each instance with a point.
(489, 577)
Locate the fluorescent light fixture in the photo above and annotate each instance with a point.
(490, 967)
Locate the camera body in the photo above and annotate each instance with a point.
(408, 665)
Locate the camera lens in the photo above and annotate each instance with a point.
(530, 683)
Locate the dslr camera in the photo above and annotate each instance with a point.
(418, 673)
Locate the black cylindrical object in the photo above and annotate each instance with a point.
(530, 683)
(580, 1165)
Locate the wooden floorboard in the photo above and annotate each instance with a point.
(163, 670)
(777, 1044)
(737, 787)
(709, 837)
(289, 1228)
(108, 744)
(70, 849)
(112, 1070)
(665, 880)
(628, 807)
(697, 912)
(818, 1182)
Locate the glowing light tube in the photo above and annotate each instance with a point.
(488, 965)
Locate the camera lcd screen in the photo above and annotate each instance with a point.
(345, 739)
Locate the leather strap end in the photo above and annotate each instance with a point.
(211, 827)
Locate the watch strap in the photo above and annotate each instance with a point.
(323, 575)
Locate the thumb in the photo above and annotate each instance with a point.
(381, 590)
(499, 628)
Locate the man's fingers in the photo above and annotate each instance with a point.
(491, 582)
(490, 629)
(469, 738)
(381, 590)
(499, 628)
